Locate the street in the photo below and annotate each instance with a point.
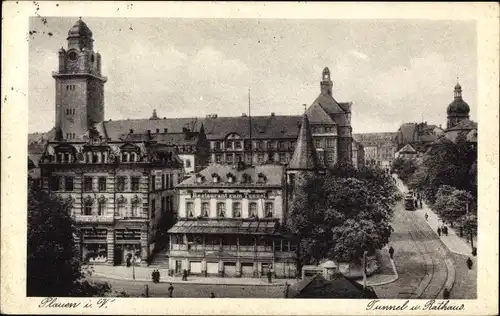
(136, 288)
(420, 259)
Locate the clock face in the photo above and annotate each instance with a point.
(72, 56)
(325, 77)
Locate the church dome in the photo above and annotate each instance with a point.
(80, 29)
(458, 105)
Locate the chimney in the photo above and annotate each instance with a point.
(272, 113)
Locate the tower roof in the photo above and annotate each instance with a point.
(80, 29)
(458, 106)
(304, 157)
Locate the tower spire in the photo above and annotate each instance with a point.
(304, 157)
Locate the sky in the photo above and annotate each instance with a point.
(393, 71)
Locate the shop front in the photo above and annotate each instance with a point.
(93, 246)
(127, 247)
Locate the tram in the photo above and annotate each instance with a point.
(409, 203)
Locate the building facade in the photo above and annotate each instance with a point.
(379, 148)
(119, 192)
(229, 224)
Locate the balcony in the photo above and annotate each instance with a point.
(94, 218)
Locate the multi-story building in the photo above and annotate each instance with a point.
(229, 220)
(379, 148)
(120, 191)
(257, 139)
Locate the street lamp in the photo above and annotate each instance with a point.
(364, 269)
(133, 267)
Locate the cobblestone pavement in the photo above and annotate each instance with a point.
(419, 257)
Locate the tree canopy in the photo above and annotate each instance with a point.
(343, 213)
(53, 265)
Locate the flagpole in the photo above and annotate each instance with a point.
(250, 125)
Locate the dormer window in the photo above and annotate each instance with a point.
(199, 178)
(262, 178)
(215, 177)
(245, 178)
(230, 178)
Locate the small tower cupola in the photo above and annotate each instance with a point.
(80, 36)
(326, 82)
(154, 116)
(458, 109)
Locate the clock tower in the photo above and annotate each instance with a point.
(79, 85)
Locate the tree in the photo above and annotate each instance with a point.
(342, 214)
(451, 203)
(53, 266)
(469, 226)
(453, 164)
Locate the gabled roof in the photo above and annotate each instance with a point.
(317, 115)
(304, 156)
(407, 149)
(465, 124)
(332, 108)
(407, 131)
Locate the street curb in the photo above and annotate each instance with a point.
(396, 276)
(450, 279)
(441, 239)
(104, 276)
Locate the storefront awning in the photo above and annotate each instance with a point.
(223, 227)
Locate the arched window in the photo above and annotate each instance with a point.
(133, 157)
(221, 209)
(236, 209)
(269, 209)
(252, 209)
(190, 209)
(205, 208)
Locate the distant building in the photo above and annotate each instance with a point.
(358, 154)
(458, 110)
(379, 148)
(407, 152)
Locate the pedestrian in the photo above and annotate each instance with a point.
(269, 275)
(391, 252)
(439, 232)
(212, 295)
(153, 276)
(170, 291)
(157, 276)
(184, 275)
(286, 289)
(426, 216)
(446, 294)
(469, 263)
(445, 230)
(146, 290)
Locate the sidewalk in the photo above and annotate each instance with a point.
(144, 274)
(453, 242)
(387, 270)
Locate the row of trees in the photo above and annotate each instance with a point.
(343, 213)
(447, 179)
